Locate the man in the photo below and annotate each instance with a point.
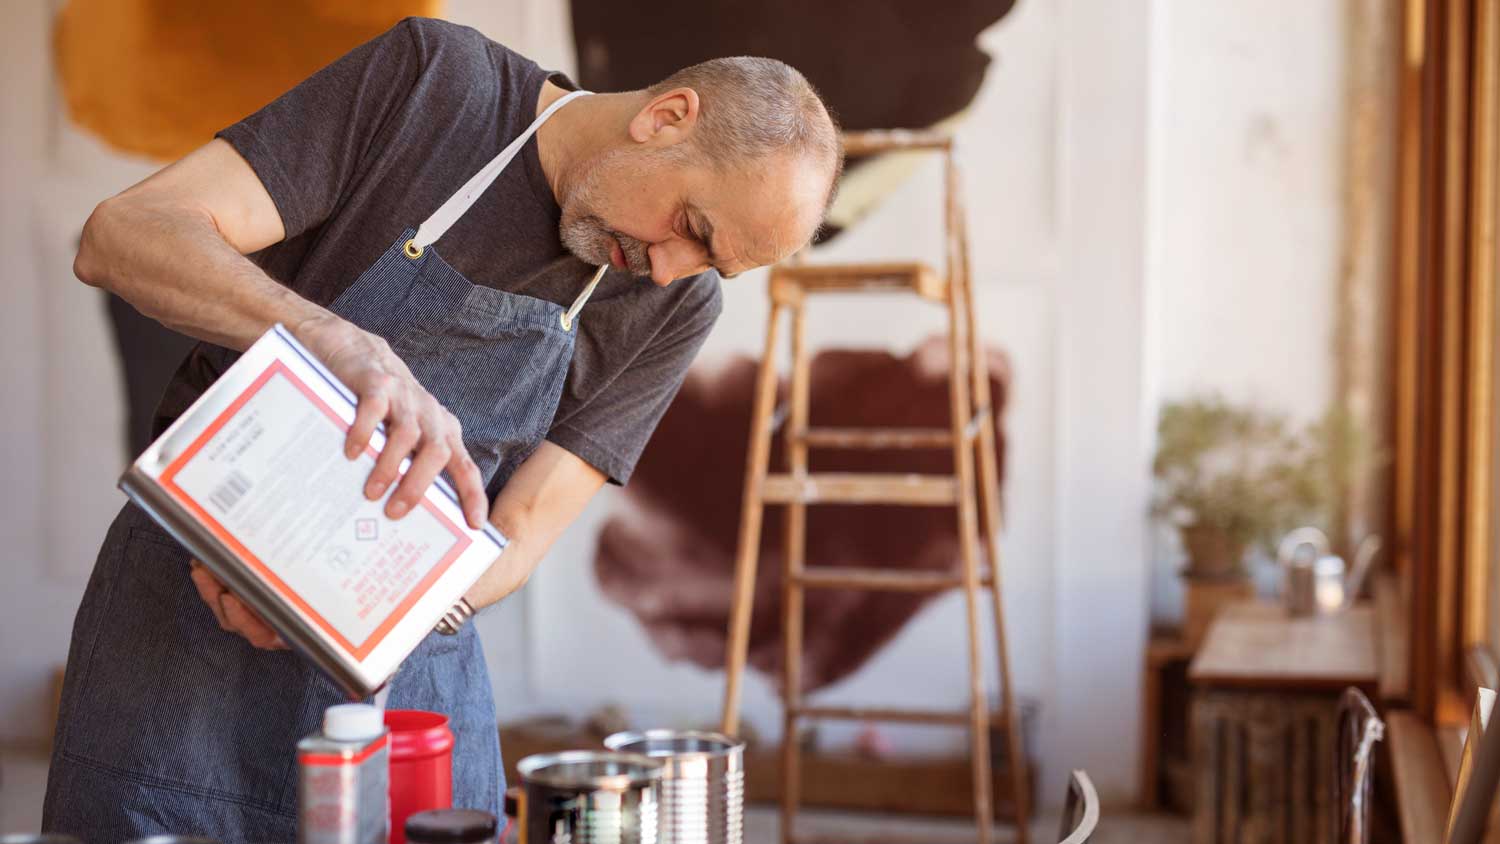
(454, 308)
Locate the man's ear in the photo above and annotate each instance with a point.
(668, 118)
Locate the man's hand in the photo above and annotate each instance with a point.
(416, 424)
(233, 614)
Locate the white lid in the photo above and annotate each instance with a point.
(1329, 564)
(352, 722)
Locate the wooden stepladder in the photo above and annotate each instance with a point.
(972, 491)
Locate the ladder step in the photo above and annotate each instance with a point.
(902, 716)
(789, 284)
(885, 580)
(878, 437)
(831, 437)
(861, 488)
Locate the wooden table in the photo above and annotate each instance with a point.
(1265, 706)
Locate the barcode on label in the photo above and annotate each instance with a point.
(230, 491)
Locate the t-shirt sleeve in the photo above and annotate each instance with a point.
(310, 144)
(612, 429)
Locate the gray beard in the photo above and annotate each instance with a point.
(588, 238)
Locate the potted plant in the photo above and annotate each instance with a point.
(1230, 477)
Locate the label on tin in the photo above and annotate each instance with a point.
(252, 479)
(270, 477)
(344, 799)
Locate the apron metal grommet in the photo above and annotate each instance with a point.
(567, 324)
(412, 250)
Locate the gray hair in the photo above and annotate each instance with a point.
(750, 108)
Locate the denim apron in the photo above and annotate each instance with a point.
(168, 724)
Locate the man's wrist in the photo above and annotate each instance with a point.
(321, 329)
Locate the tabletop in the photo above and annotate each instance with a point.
(1258, 645)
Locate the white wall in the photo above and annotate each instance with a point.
(1152, 189)
(1247, 213)
(60, 438)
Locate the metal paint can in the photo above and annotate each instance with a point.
(343, 783)
(703, 783)
(588, 797)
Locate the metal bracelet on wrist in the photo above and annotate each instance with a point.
(455, 618)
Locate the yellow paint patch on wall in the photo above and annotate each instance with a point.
(159, 77)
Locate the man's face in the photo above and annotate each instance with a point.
(667, 213)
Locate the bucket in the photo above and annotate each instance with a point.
(588, 797)
(421, 765)
(703, 783)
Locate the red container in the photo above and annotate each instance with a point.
(421, 765)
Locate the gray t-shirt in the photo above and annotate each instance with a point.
(376, 141)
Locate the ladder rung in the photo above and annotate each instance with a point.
(830, 577)
(860, 488)
(828, 437)
(878, 437)
(789, 283)
(868, 713)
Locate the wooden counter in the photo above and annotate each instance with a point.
(1256, 645)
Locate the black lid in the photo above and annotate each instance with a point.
(450, 826)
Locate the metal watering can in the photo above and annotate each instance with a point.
(1320, 581)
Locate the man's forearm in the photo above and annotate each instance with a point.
(529, 530)
(174, 265)
(544, 496)
(508, 574)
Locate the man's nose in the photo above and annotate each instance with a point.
(674, 259)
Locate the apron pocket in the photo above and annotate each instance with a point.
(166, 698)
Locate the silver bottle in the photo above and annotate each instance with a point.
(343, 780)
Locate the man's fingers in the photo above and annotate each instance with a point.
(248, 624)
(232, 613)
(374, 404)
(401, 437)
(209, 590)
(433, 456)
(468, 483)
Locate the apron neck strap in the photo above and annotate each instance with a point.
(450, 211)
(572, 312)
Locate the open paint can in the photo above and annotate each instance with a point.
(588, 797)
(703, 783)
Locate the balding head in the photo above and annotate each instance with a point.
(752, 108)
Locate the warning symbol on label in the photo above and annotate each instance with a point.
(366, 529)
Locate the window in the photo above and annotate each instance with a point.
(1446, 462)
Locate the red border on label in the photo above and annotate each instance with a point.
(362, 649)
(321, 759)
